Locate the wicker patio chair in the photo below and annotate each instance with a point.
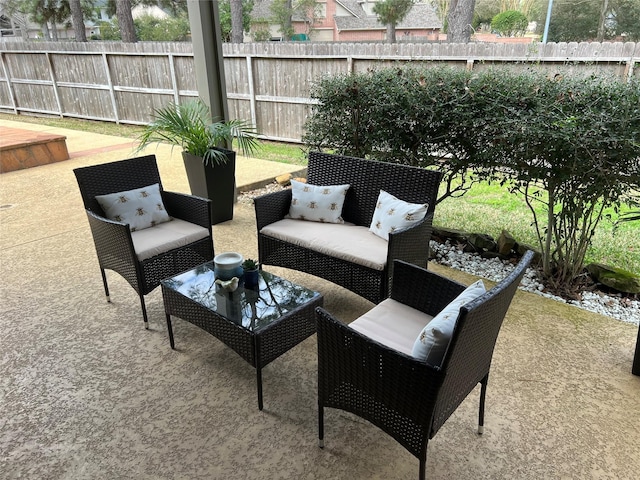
(119, 249)
(408, 398)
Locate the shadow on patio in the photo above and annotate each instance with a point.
(88, 393)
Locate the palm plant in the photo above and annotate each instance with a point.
(188, 126)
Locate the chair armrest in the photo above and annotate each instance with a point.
(411, 244)
(189, 208)
(112, 240)
(422, 289)
(347, 358)
(271, 207)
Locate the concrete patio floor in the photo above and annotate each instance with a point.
(86, 392)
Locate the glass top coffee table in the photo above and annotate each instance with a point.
(259, 323)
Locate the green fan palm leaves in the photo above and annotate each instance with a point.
(189, 126)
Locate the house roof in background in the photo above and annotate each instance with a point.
(422, 15)
(353, 6)
(261, 9)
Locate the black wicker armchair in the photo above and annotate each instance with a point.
(189, 244)
(365, 178)
(408, 398)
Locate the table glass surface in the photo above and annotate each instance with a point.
(252, 307)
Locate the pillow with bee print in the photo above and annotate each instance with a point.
(317, 203)
(140, 208)
(392, 214)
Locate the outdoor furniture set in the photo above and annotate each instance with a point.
(405, 365)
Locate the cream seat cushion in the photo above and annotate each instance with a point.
(163, 237)
(345, 241)
(392, 324)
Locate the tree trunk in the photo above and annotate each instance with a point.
(391, 33)
(77, 18)
(288, 26)
(237, 29)
(125, 21)
(46, 34)
(603, 17)
(459, 21)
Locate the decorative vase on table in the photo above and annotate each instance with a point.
(227, 265)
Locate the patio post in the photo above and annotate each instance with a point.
(204, 19)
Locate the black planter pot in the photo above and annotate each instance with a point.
(216, 182)
(251, 278)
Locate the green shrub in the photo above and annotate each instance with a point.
(171, 29)
(569, 145)
(110, 30)
(510, 23)
(150, 29)
(409, 116)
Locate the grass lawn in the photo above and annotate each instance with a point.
(491, 208)
(484, 209)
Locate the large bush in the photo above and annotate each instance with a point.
(170, 29)
(410, 116)
(510, 23)
(149, 28)
(569, 145)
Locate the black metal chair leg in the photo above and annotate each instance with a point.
(636, 358)
(320, 426)
(422, 474)
(483, 394)
(144, 312)
(104, 282)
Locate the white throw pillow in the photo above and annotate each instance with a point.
(393, 214)
(433, 340)
(317, 203)
(140, 208)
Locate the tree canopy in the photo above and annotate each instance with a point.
(390, 13)
(510, 23)
(579, 20)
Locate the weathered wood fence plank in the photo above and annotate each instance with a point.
(267, 83)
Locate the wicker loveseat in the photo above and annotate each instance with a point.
(332, 251)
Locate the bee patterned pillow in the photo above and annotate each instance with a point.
(140, 208)
(317, 203)
(392, 214)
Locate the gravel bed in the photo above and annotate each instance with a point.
(248, 196)
(618, 307)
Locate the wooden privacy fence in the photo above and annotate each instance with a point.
(267, 83)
